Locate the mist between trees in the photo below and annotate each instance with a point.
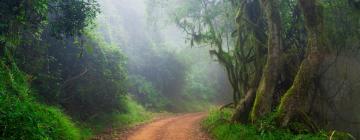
(102, 63)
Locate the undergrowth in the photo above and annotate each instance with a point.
(21, 117)
(220, 128)
(134, 114)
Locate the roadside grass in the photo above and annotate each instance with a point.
(30, 120)
(110, 123)
(220, 128)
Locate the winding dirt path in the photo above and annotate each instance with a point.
(180, 127)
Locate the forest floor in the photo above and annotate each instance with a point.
(168, 127)
(164, 127)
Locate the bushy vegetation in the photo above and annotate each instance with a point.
(31, 120)
(134, 114)
(87, 78)
(90, 85)
(21, 117)
(96, 99)
(53, 63)
(219, 125)
(146, 94)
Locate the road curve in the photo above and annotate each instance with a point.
(180, 127)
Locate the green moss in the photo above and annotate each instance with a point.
(259, 99)
(259, 94)
(300, 86)
(284, 99)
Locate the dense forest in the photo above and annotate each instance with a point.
(260, 69)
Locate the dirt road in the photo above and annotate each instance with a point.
(181, 127)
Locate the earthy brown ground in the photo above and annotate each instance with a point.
(181, 127)
(175, 127)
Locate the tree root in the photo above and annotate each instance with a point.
(229, 105)
(309, 122)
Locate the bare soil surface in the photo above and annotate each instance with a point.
(179, 127)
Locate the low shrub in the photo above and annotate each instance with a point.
(133, 114)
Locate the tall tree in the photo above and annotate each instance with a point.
(266, 89)
(295, 102)
(252, 19)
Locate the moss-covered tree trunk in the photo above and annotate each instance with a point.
(264, 93)
(294, 102)
(245, 105)
(253, 14)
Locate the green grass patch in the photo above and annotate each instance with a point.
(134, 114)
(218, 125)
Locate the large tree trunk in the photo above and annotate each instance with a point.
(253, 14)
(243, 109)
(265, 91)
(245, 105)
(294, 102)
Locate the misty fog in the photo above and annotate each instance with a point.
(154, 45)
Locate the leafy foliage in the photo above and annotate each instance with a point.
(23, 118)
(146, 94)
(86, 85)
(133, 114)
(21, 19)
(70, 17)
(47, 39)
